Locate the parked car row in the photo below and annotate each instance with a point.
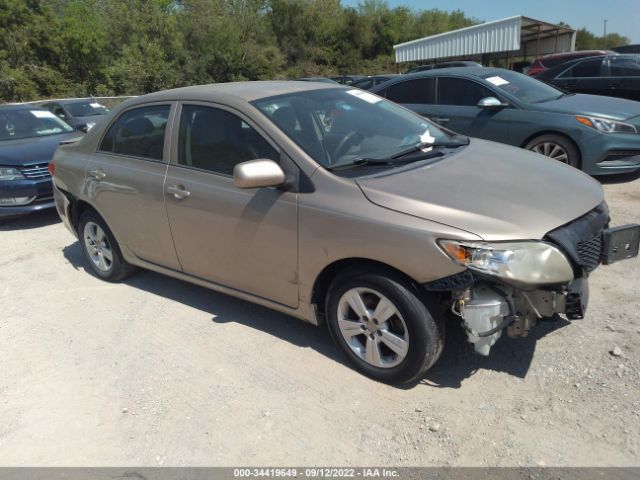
(332, 204)
(596, 134)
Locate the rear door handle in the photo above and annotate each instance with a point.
(178, 192)
(613, 86)
(97, 174)
(440, 119)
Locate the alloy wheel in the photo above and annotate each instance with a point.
(98, 247)
(552, 150)
(373, 328)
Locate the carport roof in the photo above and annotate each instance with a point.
(519, 35)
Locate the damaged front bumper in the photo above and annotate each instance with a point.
(489, 305)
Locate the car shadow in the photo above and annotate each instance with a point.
(457, 363)
(619, 178)
(39, 219)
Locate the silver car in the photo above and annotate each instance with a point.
(334, 205)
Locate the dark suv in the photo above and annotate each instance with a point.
(615, 75)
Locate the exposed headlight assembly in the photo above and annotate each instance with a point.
(525, 263)
(10, 173)
(605, 125)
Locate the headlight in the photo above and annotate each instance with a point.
(10, 173)
(532, 263)
(606, 126)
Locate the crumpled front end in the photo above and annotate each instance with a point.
(489, 304)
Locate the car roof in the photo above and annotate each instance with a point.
(239, 91)
(466, 71)
(20, 106)
(576, 53)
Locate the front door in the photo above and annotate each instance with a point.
(243, 239)
(125, 180)
(457, 108)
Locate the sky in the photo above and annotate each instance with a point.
(623, 16)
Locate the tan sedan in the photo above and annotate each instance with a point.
(332, 204)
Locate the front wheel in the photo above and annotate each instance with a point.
(383, 326)
(556, 147)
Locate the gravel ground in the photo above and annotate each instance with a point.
(155, 371)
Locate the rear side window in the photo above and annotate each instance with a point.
(458, 91)
(625, 67)
(138, 133)
(215, 140)
(418, 91)
(587, 68)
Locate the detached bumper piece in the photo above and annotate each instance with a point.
(620, 243)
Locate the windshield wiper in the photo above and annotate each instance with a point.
(422, 146)
(361, 162)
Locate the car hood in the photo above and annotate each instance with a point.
(595, 105)
(492, 190)
(29, 151)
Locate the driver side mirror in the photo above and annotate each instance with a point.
(258, 174)
(491, 102)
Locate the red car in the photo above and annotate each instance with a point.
(554, 59)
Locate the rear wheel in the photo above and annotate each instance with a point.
(101, 249)
(556, 147)
(383, 326)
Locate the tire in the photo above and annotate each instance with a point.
(412, 322)
(101, 249)
(557, 147)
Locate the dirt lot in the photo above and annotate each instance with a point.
(156, 371)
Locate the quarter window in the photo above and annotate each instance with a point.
(215, 140)
(458, 91)
(419, 91)
(138, 133)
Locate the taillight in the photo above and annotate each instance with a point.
(52, 167)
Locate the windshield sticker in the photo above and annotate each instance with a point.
(497, 81)
(96, 105)
(426, 137)
(366, 96)
(42, 114)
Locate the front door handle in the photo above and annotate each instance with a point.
(178, 192)
(97, 175)
(440, 119)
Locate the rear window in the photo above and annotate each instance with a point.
(418, 91)
(138, 133)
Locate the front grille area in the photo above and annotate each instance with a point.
(590, 252)
(582, 239)
(35, 172)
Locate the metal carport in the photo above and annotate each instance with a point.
(511, 37)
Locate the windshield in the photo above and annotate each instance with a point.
(85, 109)
(338, 127)
(16, 124)
(523, 87)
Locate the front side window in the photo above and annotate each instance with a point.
(522, 87)
(625, 66)
(27, 123)
(339, 127)
(419, 92)
(138, 133)
(215, 140)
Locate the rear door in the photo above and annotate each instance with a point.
(457, 108)
(246, 239)
(417, 94)
(125, 182)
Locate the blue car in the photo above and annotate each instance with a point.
(594, 133)
(28, 139)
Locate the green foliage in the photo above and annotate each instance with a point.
(52, 48)
(585, 40)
